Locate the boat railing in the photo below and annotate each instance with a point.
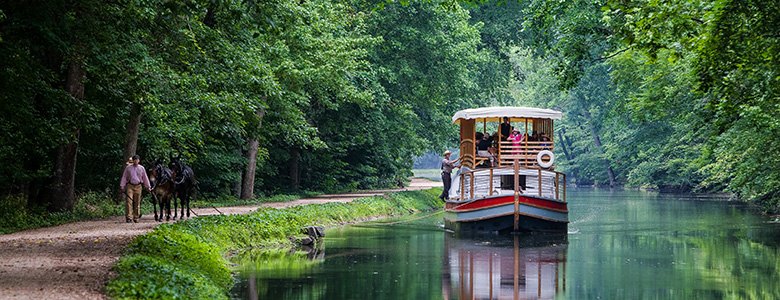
(479, 183)
(524, 151)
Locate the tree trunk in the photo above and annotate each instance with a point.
(564, 141)
(131, 141)
(63, 196)
(248, 184)
(295, 178)
(131, 136)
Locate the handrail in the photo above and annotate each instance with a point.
(525, 151)
(548, 183)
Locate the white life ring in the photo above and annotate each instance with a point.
(542, 163)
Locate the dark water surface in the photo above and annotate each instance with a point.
(620, 245)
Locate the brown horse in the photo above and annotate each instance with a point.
(163, 189)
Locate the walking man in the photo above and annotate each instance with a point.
(133, 176)
(446, 174)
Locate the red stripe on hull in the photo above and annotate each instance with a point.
(503, 200)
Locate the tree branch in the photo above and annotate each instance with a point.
(611, 56)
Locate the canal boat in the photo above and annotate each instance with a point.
(513, 186)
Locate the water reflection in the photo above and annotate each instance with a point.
(504, 267)
(621, 245)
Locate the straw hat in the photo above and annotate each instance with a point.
(447, 153)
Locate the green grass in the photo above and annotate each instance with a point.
(187, 260)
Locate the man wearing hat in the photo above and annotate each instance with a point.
(134, 176)
(446, 174)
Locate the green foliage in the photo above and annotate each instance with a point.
(185, 259)
(654, 93)
(146, 277)
(184, 251)
(18, 215)
(688, 102)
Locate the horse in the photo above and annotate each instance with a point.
(163, 189)
(185, 185)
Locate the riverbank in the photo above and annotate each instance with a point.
(74, 261)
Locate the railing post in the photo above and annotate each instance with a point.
(491, 183)
(471, 188)
(564, 187)
(517, 195)
(540, 182)
(557, 177)
(462, 191)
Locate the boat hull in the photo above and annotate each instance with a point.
(497, 213)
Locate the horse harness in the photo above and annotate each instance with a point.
(165, 175)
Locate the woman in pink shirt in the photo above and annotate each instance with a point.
(517, 138)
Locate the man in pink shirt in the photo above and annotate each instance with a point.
(133, 177)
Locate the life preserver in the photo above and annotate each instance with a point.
(542, 163)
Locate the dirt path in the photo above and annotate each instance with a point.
(73, 261)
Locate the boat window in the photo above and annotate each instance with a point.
(508, 182)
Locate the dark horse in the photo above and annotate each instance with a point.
(185, 185)
(163, 189)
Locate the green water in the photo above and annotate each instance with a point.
(620, 245)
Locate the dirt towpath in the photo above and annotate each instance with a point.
(73, 261)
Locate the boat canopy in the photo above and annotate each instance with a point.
(492, 114)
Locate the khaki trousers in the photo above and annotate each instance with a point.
(133, 207)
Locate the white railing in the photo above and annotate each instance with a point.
(479, 183)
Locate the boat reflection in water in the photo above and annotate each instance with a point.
(504, 267)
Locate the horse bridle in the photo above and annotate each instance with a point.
(164, 175)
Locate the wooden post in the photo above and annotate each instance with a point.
(491, 183)
(471, 188)
(525, 139)
(564, 187)
(540, 182)
(517, 196)
(462, 192)
(557, 175)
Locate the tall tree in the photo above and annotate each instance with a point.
(248, 181)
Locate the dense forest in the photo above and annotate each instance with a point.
(321, 95)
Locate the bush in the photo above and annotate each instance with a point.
(17, 216)
(146, 277)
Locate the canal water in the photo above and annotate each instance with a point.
(620, 245)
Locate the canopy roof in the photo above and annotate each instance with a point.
(491, 114)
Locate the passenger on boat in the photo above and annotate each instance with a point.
(534, 137)
(446, 174)
(546, 145)
(516, 137)
(505, 129)
(483, 149)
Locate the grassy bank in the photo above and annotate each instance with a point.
(186, 259)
